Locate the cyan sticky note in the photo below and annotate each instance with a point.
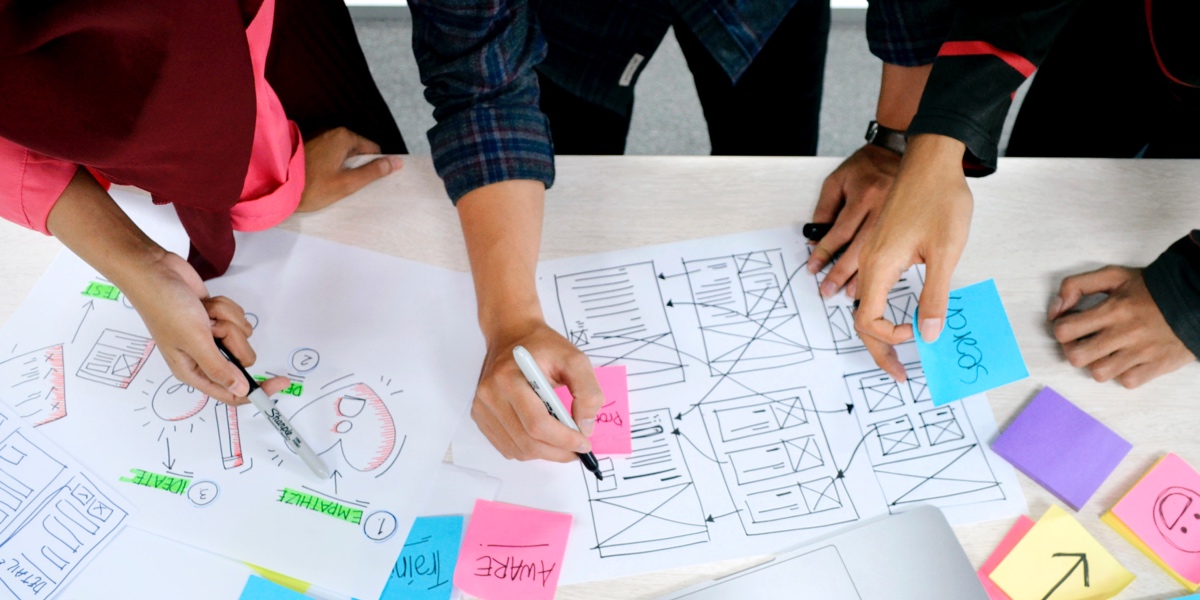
(976, 351)
(425, 569)
(258, 588)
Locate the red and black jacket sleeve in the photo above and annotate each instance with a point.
(1174, 282)
(992, 48)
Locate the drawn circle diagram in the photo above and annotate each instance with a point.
(203, 493)
(253, 319)
(304, 360)
(176, 401)
(1177, 515)
(379, 525)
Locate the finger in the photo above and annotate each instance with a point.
(935, 297)
(495, 434)
(830, 200)
(1077, 286)
(216, 367)
(352, 180)
(1075, 326)
(275, 385)
(187, 371)
(843, 230)
(885, 356)
(224, 309)
(539, 425)
(1113, 365)
(1144, 372)
(842, 271)
(874, 284)
(1083, 352)
(587, 397)
(528, 447)
(235, 340)
(852, 287)
(362, 145)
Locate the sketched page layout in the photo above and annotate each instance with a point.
(382, 354)
(758, 419)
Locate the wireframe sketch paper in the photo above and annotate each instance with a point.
(977, 350)
(55, 515)
(611, 435)
(381, 357)
(910, 556)
(1014, 535)
(1064, 449)
(1160, 515)
(758, 421)
(512, 552)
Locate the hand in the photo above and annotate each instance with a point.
(512, 416)
(327, 178)
(926, 220)
(851, 199)
(184, 319)
(1124, 337)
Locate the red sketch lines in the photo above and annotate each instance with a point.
(34, 383)
(353, 419)
(116, 358)
(229, 436)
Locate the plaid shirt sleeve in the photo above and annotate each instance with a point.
(476, 59)
(908, 33)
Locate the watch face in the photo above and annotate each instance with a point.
(872, 130)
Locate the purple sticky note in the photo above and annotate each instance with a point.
(1064, 449)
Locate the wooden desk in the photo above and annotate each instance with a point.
(1036, 221)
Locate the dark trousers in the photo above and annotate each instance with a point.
(773, 110)
(318, 70)
(1100, 93)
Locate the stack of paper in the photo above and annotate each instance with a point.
(1160, 516)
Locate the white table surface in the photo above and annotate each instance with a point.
(1035, 221)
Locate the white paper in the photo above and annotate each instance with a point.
(55, 516)
(142, 566)
(740, 376)
(387, 352)
(910, 556)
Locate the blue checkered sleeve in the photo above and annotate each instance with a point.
(908, 33)
(476, 60)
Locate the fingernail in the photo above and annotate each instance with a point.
(812, 266)
(1057, 306)
(385, 166)
(587, 426)
(239, 388)
(584, 448)
(397, 162)
(930, 330)
(828, 289)
(852, 289)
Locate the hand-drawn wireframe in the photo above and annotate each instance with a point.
(353, 413)
(25, 472)
(839, 310)
(747, 312)
(776, 462)
(116, 358)
(34, 384)
(618, 315)
(920, 453)
(647, 501)
(1174, 510)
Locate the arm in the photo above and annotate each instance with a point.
(991, 49)
(491, 146)
(165, 290)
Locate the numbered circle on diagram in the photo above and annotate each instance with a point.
(253, 319)
(203, 493)
(379, 525)
(304, 360)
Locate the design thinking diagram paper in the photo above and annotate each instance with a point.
(758, 420)
(382, 354)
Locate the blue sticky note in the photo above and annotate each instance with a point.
(425, 569)
(977, 350)
(261, 589)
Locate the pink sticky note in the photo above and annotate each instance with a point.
(611, 435)
(1163, 510)
(1014, 535)
(512, 552)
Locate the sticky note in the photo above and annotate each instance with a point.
(258, 588)
(976, 351)
(1059, 559)
(1064, 449)
(512, 552)
(1160, 515)
(425, 568)
(1014, 535)
(611, 435)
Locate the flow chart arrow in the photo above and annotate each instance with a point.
(1080, 559)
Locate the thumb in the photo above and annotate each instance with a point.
(357, 178)
(220, 371)
(588, 397)
(931, 308)
(1076, 287)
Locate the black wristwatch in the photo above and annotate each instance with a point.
(885, 137)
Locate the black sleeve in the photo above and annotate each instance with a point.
(1174, 282)
(993, 47)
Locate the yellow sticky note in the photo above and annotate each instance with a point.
(1059, 560)
(290, 583)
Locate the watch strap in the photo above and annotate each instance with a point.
(886, 137)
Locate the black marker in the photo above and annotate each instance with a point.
(816, 231)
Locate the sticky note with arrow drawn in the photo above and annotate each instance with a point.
(1059, 560)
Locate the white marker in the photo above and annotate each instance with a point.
(541, 386)
(263, 402)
